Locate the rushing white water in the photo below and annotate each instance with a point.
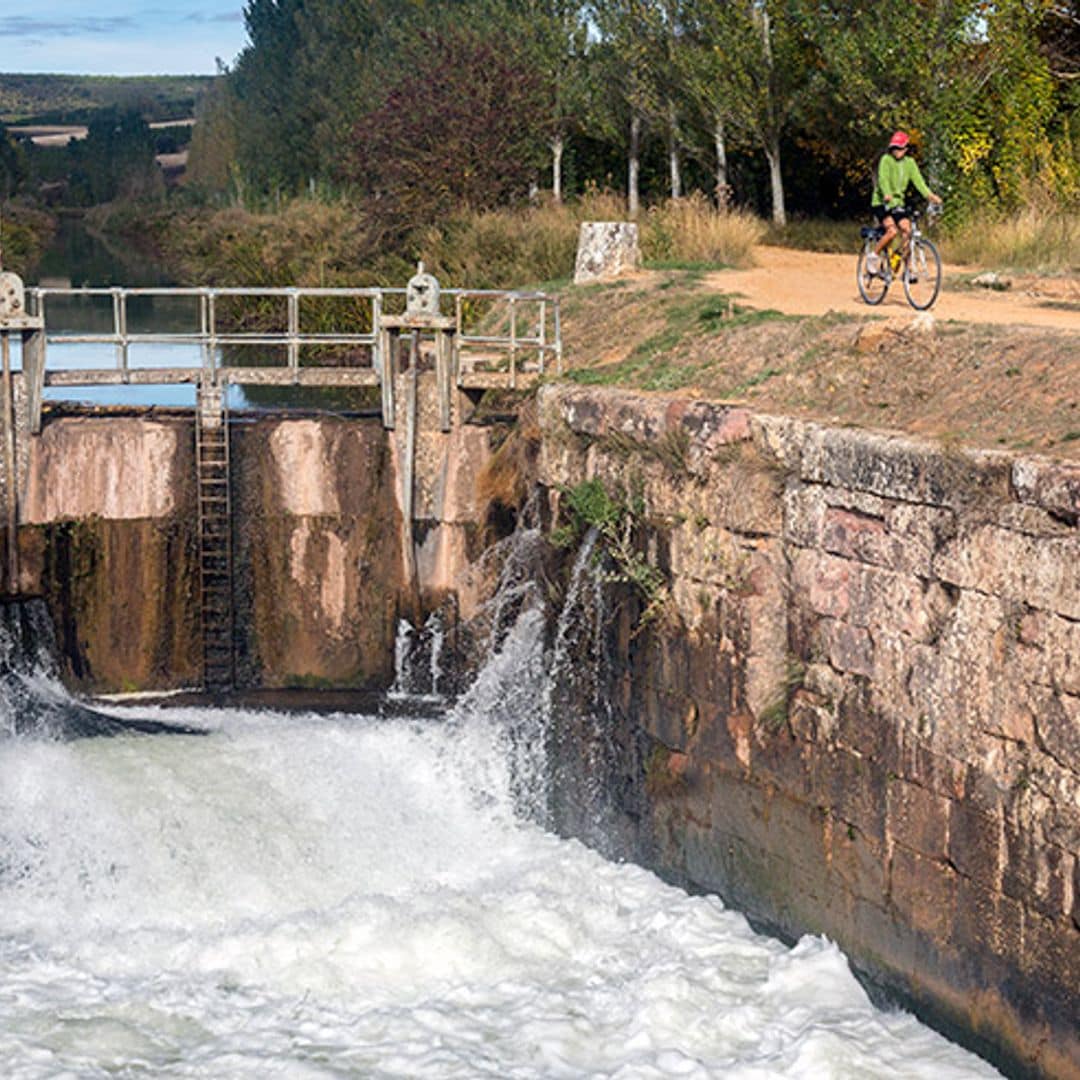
(301, 896)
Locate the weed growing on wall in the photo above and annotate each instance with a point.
(615, 518)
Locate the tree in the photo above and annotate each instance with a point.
(773, 71)
(12, 165)
(212, 158)
(557, 34)
(623, 91)
(116, 159)
(462, 123)
(273, 137)
(706, 68)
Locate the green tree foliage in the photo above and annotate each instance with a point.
(212, 161)
(554, 35)
(439, 103)
(273, 135)
(116, 159)
(12, 165)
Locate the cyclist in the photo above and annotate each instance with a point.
(896, 172)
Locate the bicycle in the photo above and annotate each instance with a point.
(920, 271)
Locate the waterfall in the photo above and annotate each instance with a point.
(34, 701)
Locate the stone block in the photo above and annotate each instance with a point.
(923, 892)
(1053, 486)
(987, 921)
(1060, 642)
(714, 556)
(940, 773)
(853, 535)
(1042, 572)
(851, 648)
(1036, 874)
(606, 250)
(857, 863)
(917, 818)
(976, 844)
(822, 583)
(1057, 725)
(894, 467)
(804, 514)
(852, 787)
(1053, 958)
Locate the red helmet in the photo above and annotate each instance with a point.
(899, 139)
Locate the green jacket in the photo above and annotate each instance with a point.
(893, 178)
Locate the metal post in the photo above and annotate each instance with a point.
(443, 377)
(210, 366)
(541, 346)
(12, 508)
(294, 330)
(387, 373)
(558, 339)
(33, 362)
(513, 343)
(408, 470)
(455, 359)
(120, 330)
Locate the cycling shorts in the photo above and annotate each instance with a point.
(897, 213)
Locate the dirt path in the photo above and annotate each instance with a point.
(812, 283)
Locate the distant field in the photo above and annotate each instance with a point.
(71, 99)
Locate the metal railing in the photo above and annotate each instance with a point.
(208, 336)
(496, 332)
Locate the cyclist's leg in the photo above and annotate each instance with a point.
(888, 223)
(904, 224)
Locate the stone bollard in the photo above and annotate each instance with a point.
(605, 250)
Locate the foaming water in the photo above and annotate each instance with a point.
(302, 896)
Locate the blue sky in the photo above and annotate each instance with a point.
(119, 37)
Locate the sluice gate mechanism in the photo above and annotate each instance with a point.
(477, 340)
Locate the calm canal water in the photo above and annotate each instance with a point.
(80, 259)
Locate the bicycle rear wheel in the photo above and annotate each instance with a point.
(922, 274)
(872, 286)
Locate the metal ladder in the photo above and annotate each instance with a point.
(215, 538)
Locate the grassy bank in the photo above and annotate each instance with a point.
(325, 242)
(317, 242)
(1038, 239)
(994, 386)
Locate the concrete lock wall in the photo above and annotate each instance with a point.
(109, 536)
(861, 706)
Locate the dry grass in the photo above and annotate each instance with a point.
(503, 248)
(690, 231)
(1038, 238)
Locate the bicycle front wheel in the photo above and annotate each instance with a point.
(872, 286)
(922, 274)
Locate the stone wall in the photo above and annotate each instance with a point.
(860, 713)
